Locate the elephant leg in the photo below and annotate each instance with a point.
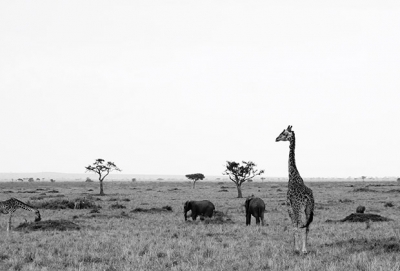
(248, 219)
(257, 220)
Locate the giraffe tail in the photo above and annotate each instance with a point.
(310, 218)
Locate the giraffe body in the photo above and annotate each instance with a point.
(300, 199)
(11, 205)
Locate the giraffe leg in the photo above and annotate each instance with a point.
(294, 217)
(296, 242)
(9, 224)
(305, 233)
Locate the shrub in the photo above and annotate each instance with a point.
(57, 204)
(117, 206)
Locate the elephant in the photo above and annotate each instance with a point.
(256, 207)
(199, 208)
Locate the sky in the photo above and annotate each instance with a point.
(179, 87)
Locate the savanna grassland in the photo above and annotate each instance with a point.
(140, 226)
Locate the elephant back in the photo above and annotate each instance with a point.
(256, 203)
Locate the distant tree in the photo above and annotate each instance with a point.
(250, 180)
(20, 179)
(398, 179)
(133, 179)
(262, 178)
(31, 180)
(88, 180)
(52, 180)
(363, 177)
(240, 173)
(195, 177)
(38, 179)
(101, 168)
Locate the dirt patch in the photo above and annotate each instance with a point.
(48, 225)
(152, 210)
(364, 189)
(360, 217)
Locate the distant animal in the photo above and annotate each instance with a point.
(300, 199)
(79, 203)
(203, 208)
(360, 209)
(11, 205)
(254, 207)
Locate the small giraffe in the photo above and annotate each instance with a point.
(11, 205)
(300, 199)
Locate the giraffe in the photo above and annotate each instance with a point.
(300, 199)
(11, 205)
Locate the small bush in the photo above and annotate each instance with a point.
(117, 206)
(388, 204)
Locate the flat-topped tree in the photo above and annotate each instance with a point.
(102, 169)
(240, 173)
(195, 177)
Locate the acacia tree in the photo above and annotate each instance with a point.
(102, 169)
(195, 177)
(239, 173)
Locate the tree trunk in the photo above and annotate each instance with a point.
(101, 188)
(194, 184)
(239, 188)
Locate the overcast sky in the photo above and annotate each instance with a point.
(179, 87)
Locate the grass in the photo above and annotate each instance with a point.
(150, 232)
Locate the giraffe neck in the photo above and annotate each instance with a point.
(294, 175)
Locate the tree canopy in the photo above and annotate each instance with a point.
(240, 173)
(195, 177)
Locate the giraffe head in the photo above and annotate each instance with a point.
(286, 135)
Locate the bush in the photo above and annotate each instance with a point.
(117, 206)
(57, 204)
(88, 180)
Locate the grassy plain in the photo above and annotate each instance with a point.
(121, 239)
